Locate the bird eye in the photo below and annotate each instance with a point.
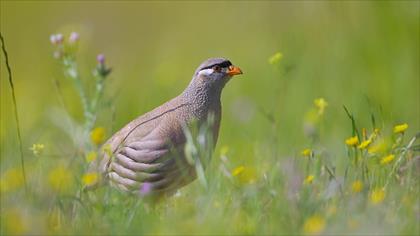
(217, 68)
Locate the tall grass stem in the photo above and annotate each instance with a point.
(9, 71)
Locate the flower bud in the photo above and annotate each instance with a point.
(100, 59)
(101, 69)
(145, 189)
(74, 37)
(53, 39)
(56, 39)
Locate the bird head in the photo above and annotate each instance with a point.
(216, 72)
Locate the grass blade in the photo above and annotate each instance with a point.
(353, 122)
(9, 71)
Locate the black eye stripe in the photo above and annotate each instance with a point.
(223, 65)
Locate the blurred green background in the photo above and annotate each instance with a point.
(342, 51)
(361, 54)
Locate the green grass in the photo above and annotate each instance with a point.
(362, 58)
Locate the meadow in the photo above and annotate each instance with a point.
(319, 136)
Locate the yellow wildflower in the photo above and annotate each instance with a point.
(275, 59)
(224, 150)
(238, 170)
(11, 180)
(245, 175)
(91, 156)
(352, 141)
(309, 179)
(60, 179)
(107, 149)
(357, 186)
(374, 149)
(364, 144)
(306, 152)
(377, 196)
(97, 135)
(387, 159)
(37, 148)
(90, 178)
(400, 128)
(379, 147)
(311, 118)
(14, 222)
(321, 104)
(314, 225)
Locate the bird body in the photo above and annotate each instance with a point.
(149, 151)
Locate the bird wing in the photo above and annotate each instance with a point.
(148, 150)
(157, 163)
